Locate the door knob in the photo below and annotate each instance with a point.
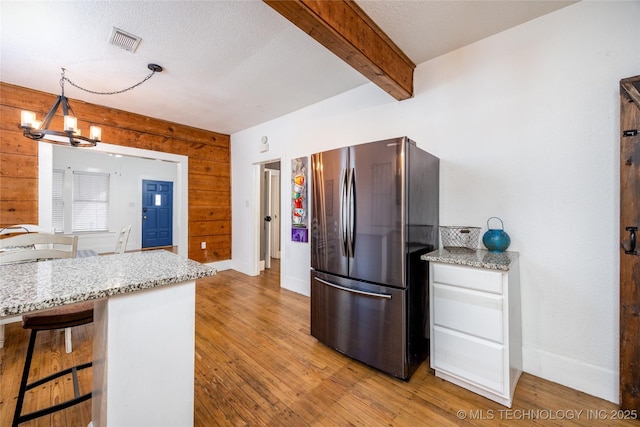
(144, 217)
(267, 218)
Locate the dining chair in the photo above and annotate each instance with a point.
(23, 228)
(46, 246)
(8, 231)
(123, 237)
(33, 247)
(25, 237)
(40, 246)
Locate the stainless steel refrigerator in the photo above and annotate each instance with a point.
(374, 213)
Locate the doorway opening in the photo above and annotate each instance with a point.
(179, 175)
(269, 216)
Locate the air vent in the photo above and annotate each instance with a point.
(124, 40)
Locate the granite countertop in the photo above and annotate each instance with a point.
(480, 258)
(33, 286)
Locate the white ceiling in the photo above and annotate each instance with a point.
(228, 65)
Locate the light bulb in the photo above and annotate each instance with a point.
(70, 124)
(95, 133)
(27, 118)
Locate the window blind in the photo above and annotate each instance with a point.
(90, 201)
(58, 201)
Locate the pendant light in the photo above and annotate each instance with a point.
(70, 133)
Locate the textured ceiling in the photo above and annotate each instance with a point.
(228, 65)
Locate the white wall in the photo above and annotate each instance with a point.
(526, 124)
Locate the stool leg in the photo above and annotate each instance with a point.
(25, 377)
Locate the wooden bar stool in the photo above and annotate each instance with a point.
(60, 318)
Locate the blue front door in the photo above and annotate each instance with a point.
(157, 213)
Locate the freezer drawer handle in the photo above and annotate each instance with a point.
(369, 294)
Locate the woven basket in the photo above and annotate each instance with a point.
(460, 237)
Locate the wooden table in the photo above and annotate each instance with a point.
(144, 328)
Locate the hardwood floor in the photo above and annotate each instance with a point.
(257, 365)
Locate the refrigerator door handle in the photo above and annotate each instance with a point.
(343, 212)
(354, 291)
(351, 197)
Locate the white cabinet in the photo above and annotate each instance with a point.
(475, 325)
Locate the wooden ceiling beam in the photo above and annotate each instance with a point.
(346, 30)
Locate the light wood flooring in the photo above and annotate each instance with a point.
(257, 365)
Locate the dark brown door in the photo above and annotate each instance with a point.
(629, 247)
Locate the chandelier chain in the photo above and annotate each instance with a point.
(70, 134)
(115, 92)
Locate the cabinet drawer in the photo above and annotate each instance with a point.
(471, 312)
(470, 359)
(467, 277)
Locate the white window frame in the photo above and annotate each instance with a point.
(68, 202)
(57, 207)
(93, 207)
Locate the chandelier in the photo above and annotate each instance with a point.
(70, 133)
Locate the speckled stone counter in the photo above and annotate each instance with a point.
(33, 286)
(480, 258)
(143, 328)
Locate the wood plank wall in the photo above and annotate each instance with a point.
(208, 152)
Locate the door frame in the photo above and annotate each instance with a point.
(629, 259)
(180, 189)
(256, 215)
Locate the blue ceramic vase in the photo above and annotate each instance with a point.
(496, 240)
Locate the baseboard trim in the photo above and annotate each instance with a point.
(295, 285)
(590, 379)
(221, 265)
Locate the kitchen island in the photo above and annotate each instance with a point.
(144, 328)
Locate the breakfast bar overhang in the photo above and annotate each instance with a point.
(144, 328)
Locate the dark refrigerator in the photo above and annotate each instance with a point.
(374, 213)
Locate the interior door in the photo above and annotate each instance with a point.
(629, 250)
(266, 224)
(157, 213)
(275, 214)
